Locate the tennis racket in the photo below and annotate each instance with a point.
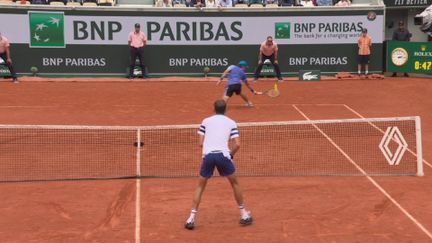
(274, 92)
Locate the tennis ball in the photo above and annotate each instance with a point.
(34, 70)
(206, 70)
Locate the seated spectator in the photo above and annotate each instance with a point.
(271, 2)
(190, 3)
(255, 2)
(287, 3)
(174, 2)
(324, 3)
(240, 2)
(163, 4)
(307, 3)
(74, 1)
(212, 3)
(199, 4)
(39, 2)
(225, 3)
(343, 3)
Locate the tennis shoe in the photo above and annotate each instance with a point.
(249, 104)
(246, 219)
(189, 225)
(280, 80)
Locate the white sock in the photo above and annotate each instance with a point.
(243, 212)
(192, 215)
(359, 72)
(366, 72)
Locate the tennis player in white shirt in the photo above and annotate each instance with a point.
(214, 133)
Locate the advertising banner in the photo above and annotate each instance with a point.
(95, 42)
(407, 3)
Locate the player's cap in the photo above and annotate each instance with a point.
(243, 63)
(364, 30)
(137, 25)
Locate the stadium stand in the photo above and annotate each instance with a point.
(163, 4)
(73, 4)
(180, 5)
(56, 3)
(256, 5)
(89, 4)
(271, 5)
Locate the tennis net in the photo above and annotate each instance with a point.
(349, 147)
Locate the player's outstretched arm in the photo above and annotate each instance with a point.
(250, 87)
(224, 74)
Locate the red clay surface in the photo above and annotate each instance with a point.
(289, 209)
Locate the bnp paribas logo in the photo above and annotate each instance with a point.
(46, 29)
(282, 30)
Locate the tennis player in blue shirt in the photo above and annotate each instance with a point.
(236, 75)
(214, 133)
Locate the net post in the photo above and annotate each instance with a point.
(419, 147)
(138, 153)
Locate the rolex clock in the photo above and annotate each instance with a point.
(399, 57)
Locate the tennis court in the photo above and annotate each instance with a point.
(285, 209)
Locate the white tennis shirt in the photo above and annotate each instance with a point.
(217, 131)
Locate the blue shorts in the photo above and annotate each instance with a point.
(224, 165)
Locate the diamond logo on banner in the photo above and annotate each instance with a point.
(393, 134)
(46, 29)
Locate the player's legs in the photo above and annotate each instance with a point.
(245, 217)
(259, 67)
(225, 98)
(237, 89)
(206, 171)
(226, 168)
(245, 98)
(276, 67)
(366, 63)
(133, 56)
(238, 194)
(9, 66)
(142, 63)
(228, 92)
(202, 182)
(359, 64)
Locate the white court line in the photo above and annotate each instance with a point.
(28, 106)
(138, 211)
(138, 189)
(359, 115)
(414, 220)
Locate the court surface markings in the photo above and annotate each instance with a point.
(361, 116)
(378, 186)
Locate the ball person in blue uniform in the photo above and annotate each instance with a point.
(235, 76)
(214, 134)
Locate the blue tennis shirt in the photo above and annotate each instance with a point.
(235, 75)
